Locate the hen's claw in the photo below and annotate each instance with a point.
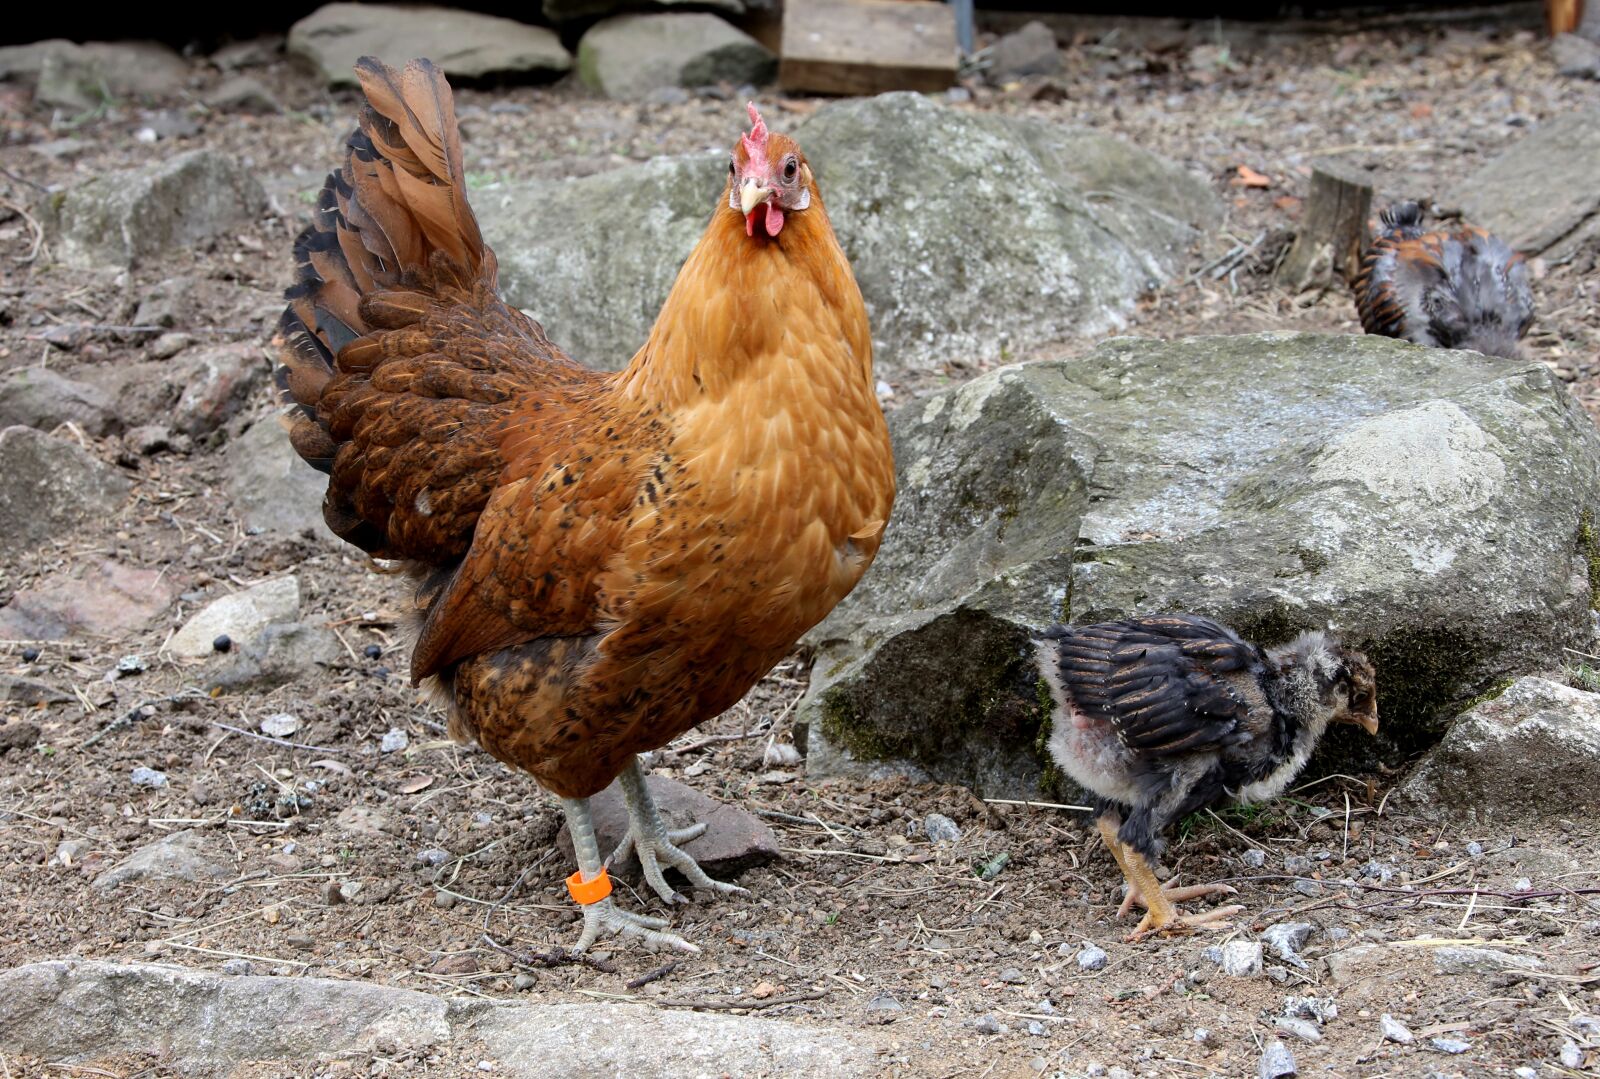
(1172, 893)
(656, 847)
(605, 918)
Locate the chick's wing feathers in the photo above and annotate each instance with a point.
(403, 366)
(1162, 682)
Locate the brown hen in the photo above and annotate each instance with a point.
(603, 560)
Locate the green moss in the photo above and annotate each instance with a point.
(1487, 695)
(1589, 547)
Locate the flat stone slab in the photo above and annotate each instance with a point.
(204, 1024)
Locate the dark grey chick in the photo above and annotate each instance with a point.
(1164, 715)
(1460, 289)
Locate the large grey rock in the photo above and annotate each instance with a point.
(1031, 50)
(1431, 506)
(970, 235)
(630, 55)
(194, 393)
(271, 488)
(1540, 195)
(1575, 56)
(43, 397)
(72, 76)
(49, 487)
(126, 216)
(179, 856)
(464, 44)
(1530, 752)
(202, 1023)
(240, 615)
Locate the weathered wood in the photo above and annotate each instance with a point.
(1327, 248)
(867, 46)
(1562, 16)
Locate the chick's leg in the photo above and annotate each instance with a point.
(655, 845)
(603, 917)
(1160, 912)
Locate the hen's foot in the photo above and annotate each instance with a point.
(591, 888)
(1165, 918)
(656, 847)
(604, 918)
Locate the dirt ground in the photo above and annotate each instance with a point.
(978, 955)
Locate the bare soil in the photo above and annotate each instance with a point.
(862, 906)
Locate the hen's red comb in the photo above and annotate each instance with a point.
(755, 143)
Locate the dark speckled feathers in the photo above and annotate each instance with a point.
(1460, 289)
(1161, 682)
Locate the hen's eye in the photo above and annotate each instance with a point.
(790, 169)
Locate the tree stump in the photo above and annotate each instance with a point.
(1327, 249)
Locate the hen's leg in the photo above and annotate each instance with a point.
(603, 916)
(649, 839)
(1160, 913)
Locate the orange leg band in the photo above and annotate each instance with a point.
(585, 892)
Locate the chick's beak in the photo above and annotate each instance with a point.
(1367, 721)
(752, 194)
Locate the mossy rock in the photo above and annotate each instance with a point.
(1435, 508)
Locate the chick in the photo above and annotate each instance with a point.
(1167, 714)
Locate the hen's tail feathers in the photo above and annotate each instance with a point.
(394, 219)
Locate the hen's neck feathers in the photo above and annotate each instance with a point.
(741, 302)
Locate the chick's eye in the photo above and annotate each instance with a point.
(791, 169)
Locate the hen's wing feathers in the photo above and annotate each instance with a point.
(1161, 682)
(407, 371)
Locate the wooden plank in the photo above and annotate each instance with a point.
(867, 46)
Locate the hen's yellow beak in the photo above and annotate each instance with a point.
(752, 194)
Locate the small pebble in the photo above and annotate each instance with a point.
(1013, 976)
(444, 900)
(883, 1002)
(1254, 859)
(1303, 1029)
(381, 672)
(1203, 1036)
(372, 651)
(433, 856)
(332, 894)
(1475, 849)
(1336, 933)
(349, 890)
(987, 1024)
(1286, 939)
(280, 725)
(1525, 1072)
(780, 755)
(1571, 1055)
(1450, 1045)
(1276, 1061)
(1298, 863)
(1524, 884)
(524, 982)
(395, 741)
(222, 643)
(238, 967)
(1378, 871)
(132, 665)
(1037, 1029)
(1092, 957)
(941, 829)
(29, 655)
(1321, 1009)
(1395, 1031)
(148, 777)
(1308, 887)
(1240, 958)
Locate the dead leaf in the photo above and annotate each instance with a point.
(1289, 204)
(415, 784)
(1249, 177)
(336, 767)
